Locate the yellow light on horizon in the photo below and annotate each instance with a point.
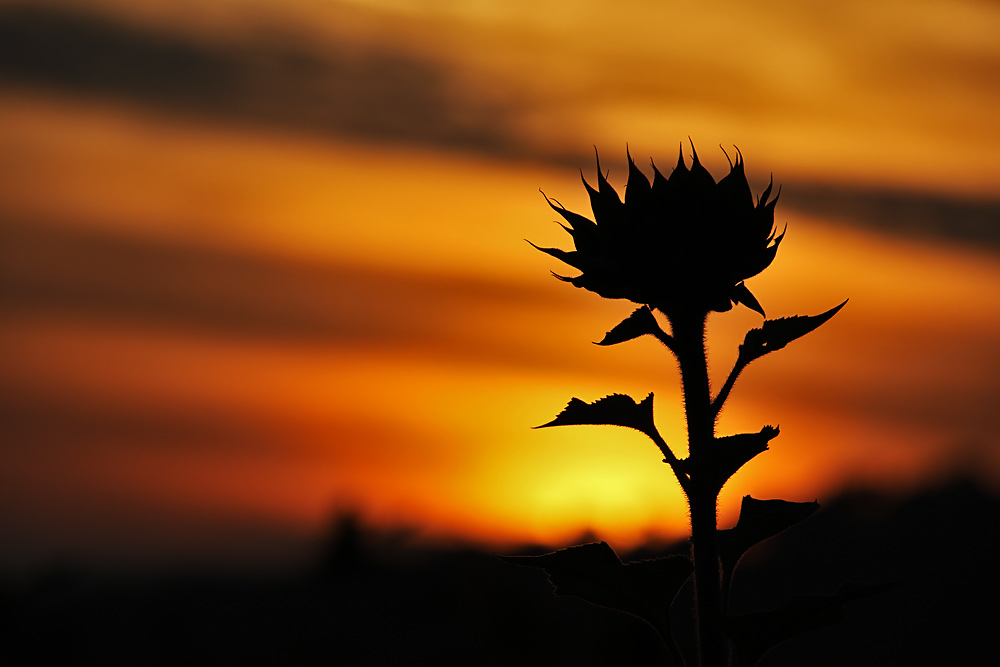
(426, 421)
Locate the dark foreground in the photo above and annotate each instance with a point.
(374, 600)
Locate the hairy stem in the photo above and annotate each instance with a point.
(720, 400)
(689, 341)
(702, 493)
(670, 459)
(712, 646)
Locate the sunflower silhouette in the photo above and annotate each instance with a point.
(683, 245)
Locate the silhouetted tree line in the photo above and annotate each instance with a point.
(375, 597)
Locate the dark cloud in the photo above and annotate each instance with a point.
(152, 281)
(237, 294)
(374, 92)
(52, 427)
(361, 90)
(974, 221)
(44, 422)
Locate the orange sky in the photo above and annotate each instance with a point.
(211, 321)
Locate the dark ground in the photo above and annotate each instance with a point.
(379, 600)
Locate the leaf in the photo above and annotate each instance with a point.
(730, 453)
(594, 573)
(757, 633)
(660, 578)
(759, 520)
(613, 410)
(776, 334)
(639, 323)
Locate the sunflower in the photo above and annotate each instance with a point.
(683, 245)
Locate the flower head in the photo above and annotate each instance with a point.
(682, 244)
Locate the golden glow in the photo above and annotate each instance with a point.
(437, 336)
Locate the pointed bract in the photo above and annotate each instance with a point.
(742, 295)
(576, 221)
(680, 167)
(734, 186)
(637, 189)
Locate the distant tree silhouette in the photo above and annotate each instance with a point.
(683, 246)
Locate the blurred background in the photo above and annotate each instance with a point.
(262, 263)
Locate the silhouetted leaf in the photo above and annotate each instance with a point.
(613, 410)
(593, 572)
(731, 452)
(639, 323)
(660, 578)
(757, 633)
(759, 520)
(776, 334)
(589, 571)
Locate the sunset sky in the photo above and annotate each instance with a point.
(264, 261)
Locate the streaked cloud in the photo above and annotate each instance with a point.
(302, 82)
(263, 258)
(855, 93)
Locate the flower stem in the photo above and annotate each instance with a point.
(720, 400)
(702, 492)
(712, 647)
(689, 340)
